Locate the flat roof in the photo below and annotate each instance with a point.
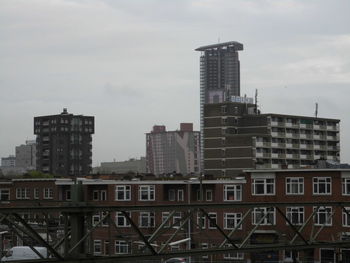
(234, 44)
(299, 116)
(295, 170)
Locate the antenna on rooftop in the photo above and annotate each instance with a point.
(256, 101)
(316, 109)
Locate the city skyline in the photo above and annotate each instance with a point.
(133, 67)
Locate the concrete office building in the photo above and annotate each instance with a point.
(26, 155)
(64, 144)
(219, 75)
(9, 161)
(173, 151)
(131, 165)
(237, 138)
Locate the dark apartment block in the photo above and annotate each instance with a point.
(64, 144)
(237, 137)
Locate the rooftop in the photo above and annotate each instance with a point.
(234, 44)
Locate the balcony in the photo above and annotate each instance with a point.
(332, 138)
(317, 147)
(289, 135)
(303, 156)
(317, 137)
(274, 144)
(289, 156)
(303, 146)
(275, 166)
(263, 155)
(289, 145)
(317, 127)
(332, 128)
(302, 136)
(274, 155)
(274, 134)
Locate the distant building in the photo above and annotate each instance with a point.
(26, 155)
(132, 165)
(219, 75)
(237, 138)
(64, 144)
(173, 151)
(9, 161)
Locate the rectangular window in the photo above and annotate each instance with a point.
(213, 220)
(22, 193)
(171, 194)
(121, 247)
(4, 194)
(36, 193)
(323, 216)
(48, 193)
(204, 247)
(209, 195)
(201, 220)
(180, 195)
(233, 192)
(68, 195)
(346, 186)
(346, 217)
(146, 219)
(322, 186)
(103, 194)
(268, 213)
(263, 186)
(295, 215)
(96, 195)
(97, 247)
(123, 193)
(231, 220)
(294, 185)
(146, 192)
(233, 255)
(165, 216)
(177, 219)
(289, 255)
(95, 219)
(120, 219)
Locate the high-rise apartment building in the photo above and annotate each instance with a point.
(237, 137)
(173, 151)
(26, 155)
(219, 75)
(64, 143)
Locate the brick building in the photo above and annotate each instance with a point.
(294, 187)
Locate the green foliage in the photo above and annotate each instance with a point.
(37, 174)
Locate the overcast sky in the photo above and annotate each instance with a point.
(132, 64)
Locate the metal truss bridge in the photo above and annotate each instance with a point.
(67, 230)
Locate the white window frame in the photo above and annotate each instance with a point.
(150, 219)
(322, 211)
(48, 193)
(148, 191)
(288, 254)
(235, 217)
(346, 217)
(201, 221)
(265, 183)
(346, 185)
(237, 192)
(165, 216)
(318, 181)
(97, 244)
(22, 193)
(36, 193)
(120, 216)
(299, 211)
(125, 190)
(103, 195)
(233, 255)
(212, 215)
(267, 220)
(177, 217)
(294, 183)
(209, 195)
(121, 247)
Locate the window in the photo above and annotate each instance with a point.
(165, 216)
(201, 220)
(323, 216)
(122, 193)
(294, 185)
(4, 194)
(322, 185)
(295, 215)
(346, 217)
(120, 219)
(95, 219)
(346, 186)
(95, 195)
(180, 195)
(171, 194)
(260, 212)
(121, 247)
(233, 192)
(213, 222)
(103, 194)
(263, 186)
(36, 193)
(233, 255)
(22, 193)
(177, 219)
(97, 247)
(98, 216)
(204, 247)
(68, 195)
(209, 195)
(146, 219)
(48, 193)
(146, 192)
(291, 254)
(231, 220)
